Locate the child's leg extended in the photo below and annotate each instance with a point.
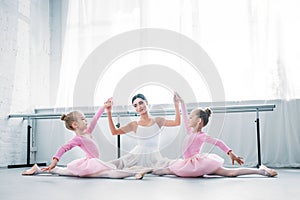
(63, 171)
(118, 174)
(245, 171)
(35, 169)
(163, 171)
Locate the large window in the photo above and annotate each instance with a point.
(254, 45)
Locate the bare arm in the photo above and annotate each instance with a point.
(116, 131)
(176, 122)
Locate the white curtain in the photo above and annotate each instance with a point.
(254, 44)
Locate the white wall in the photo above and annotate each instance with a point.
(24, 74)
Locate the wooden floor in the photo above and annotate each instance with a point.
(14, 186)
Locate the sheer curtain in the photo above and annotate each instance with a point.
(254, 44)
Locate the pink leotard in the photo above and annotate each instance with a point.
(195, 163)
(91, 164)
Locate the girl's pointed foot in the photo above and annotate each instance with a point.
(140, 176)
(33, 170)
(267, 171)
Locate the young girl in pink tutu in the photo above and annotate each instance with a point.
(91, 165)
(194, 163)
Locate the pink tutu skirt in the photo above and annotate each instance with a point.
(88, 166)
(198, 165)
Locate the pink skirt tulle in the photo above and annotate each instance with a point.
(88, 166)
(198, 165)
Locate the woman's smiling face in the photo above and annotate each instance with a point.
(140, 105)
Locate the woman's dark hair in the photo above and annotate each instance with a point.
(138, 96)
(204, 115)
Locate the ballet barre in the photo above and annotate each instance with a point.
(155, 112)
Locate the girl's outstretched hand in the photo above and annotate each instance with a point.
(108, 104)
(235, 158)
(51, 166)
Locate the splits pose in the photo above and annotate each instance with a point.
(147, 132)
(91, 165)
(195, 163)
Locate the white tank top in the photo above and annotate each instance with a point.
(148, 135)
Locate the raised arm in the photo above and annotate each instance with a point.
(167, 122)
(95, 119)
(116, 131)
(185, 118)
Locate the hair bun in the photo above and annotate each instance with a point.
(63, 117)
(208, 112)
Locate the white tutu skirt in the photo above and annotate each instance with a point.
(142, 156)
(198, 165)
(88, 166)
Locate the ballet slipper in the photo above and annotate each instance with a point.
(139, 176)
(267, 171)
(142, 172)
(33, 170)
